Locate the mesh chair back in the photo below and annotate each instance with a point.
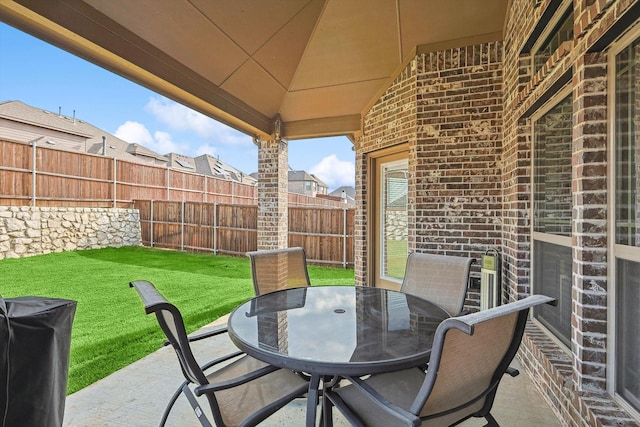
(170, 320)
(240, 390)
(469, 357)
(277, 269)
(438, 278)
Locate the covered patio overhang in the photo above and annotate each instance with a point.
(274, 70)
(294, 69)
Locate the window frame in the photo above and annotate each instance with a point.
(615, 251)
(374, 160)
(557, 16)
(564, 241)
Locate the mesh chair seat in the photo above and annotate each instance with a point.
(470, 355)
(235, 403)
(240, 390)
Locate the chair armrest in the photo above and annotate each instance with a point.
(221, 359)
(512, 371)
(223, 385)
(409, 419)
(212, 333)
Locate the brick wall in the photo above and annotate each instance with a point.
(389, 123)
(457, 155)
(465, 116)
(446, 107)
(574, 380)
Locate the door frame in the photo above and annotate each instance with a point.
(374, 160)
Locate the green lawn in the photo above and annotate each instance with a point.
(110, 329)
(396, 258)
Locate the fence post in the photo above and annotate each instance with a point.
(344, 240)
(182, 229)
(168, 180)
(215, 228)
(33, 175)
(115, 184)
(151, 222)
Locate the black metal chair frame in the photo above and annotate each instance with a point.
(171, 322)
(411, 416)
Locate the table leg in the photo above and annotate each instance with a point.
(312, 400)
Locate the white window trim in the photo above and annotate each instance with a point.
(614, 250)
(381, 225)
(535, 235)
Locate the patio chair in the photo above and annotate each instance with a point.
(440, 279)
(277, 269)
(470, 355)
(241, 390)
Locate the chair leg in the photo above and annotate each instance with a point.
(491, 421)
(196, 407)
(326, 413)
(512, 371)
(171, 403)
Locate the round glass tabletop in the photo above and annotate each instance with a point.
(337, 330)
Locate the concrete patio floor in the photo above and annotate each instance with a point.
(137, 395)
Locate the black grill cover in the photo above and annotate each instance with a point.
(35, 338)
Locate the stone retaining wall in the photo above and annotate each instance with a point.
(27, 231)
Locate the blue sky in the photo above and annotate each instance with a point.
(43, 76)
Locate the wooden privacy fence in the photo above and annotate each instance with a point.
(41, 176)
(326, 234)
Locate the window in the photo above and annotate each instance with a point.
(388, 216)
(551, 224)
(552, 264)
(394, 218)
(552, 170)
(562, 32)
(627, 215)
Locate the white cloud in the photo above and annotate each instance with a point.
(335, 172)
(160, 142)
(183, 119)
(134, 133)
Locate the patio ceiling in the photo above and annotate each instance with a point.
(299, 68)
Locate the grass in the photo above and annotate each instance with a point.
(110, 329)
(396, 258)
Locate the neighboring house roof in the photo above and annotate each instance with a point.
(20, 112)
(303, 176)
(207, 164)
(299, 176)
(182, 162)
(349, 192)
(92, 142)
(139, 150)
(319, 181)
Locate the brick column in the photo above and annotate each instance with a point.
(273, 212)
(589, 182)
(360, 230)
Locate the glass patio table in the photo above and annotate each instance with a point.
(328, 331)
